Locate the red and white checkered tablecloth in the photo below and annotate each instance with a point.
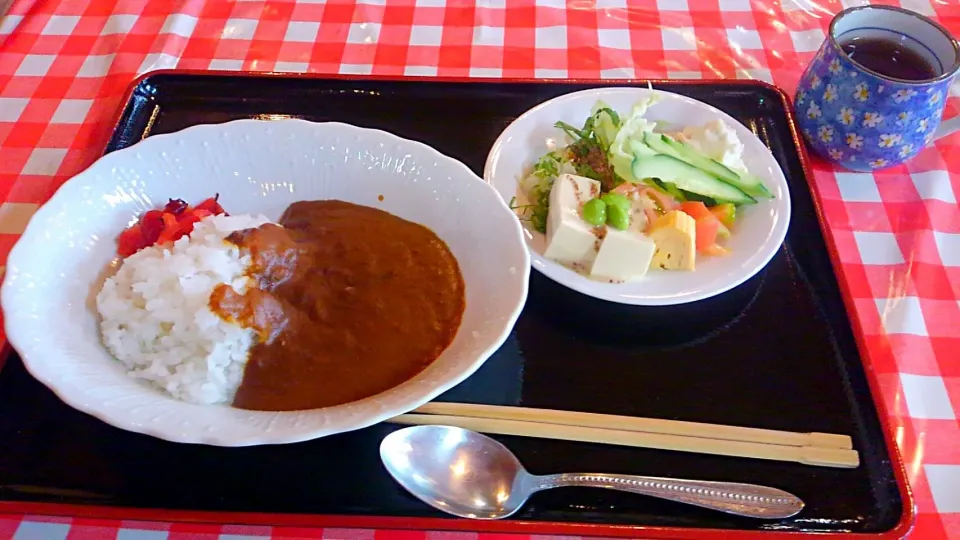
(64, 65)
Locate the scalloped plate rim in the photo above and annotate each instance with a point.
(72, 186)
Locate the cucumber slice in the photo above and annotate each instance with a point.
(660, 143)
(748, 183)
(670, 189)
(694, 197)
(640, 150)
(753, 185)
(690, 155)
(688, 178)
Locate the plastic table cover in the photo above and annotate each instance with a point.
(64, 67)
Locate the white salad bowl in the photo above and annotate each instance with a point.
(758, 232)
(256, 166)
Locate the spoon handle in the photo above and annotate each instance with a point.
(734, 498)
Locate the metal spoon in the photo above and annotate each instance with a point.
(473, 476)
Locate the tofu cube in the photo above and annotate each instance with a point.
(570, 239)
(624, 255)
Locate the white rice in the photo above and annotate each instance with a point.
(156, 318)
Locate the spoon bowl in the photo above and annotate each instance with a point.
(473, 476)
(456, 470)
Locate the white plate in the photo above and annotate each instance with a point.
(257, 167)
(758, 233)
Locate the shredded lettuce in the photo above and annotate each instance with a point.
(621, 152)
(537, 185)
(549, 165)
(606, 124)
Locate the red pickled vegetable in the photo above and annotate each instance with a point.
(169, 221)
(174, 221)
(175, 206)
(185, 224)
(211, 205)
(130, 241)
(151, 224)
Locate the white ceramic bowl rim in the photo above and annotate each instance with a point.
(533, 126)
(267, 427)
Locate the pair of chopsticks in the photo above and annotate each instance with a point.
(821, 449)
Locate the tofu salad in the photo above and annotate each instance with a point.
(623, 197)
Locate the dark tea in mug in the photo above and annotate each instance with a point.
(874, 94)
(889, 57)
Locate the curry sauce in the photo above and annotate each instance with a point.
(349, 302)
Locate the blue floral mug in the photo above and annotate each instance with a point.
(866, 119)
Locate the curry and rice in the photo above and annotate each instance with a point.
(334, 303)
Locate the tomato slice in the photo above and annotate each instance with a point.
(707, 233)
(664, 201)
(627, 189)
(695, 209)
(726, 213)
(707, 224)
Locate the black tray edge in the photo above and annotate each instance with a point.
(900, 530)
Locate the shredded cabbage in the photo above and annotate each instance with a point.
(606, 123)
(631, 128)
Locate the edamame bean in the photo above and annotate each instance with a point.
(617, 217)
(595, 212)
(618, 200)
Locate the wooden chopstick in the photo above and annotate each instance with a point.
(645, 425)
(594, 432)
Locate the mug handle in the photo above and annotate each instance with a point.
(947, 127)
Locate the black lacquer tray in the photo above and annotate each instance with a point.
(777, 352)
